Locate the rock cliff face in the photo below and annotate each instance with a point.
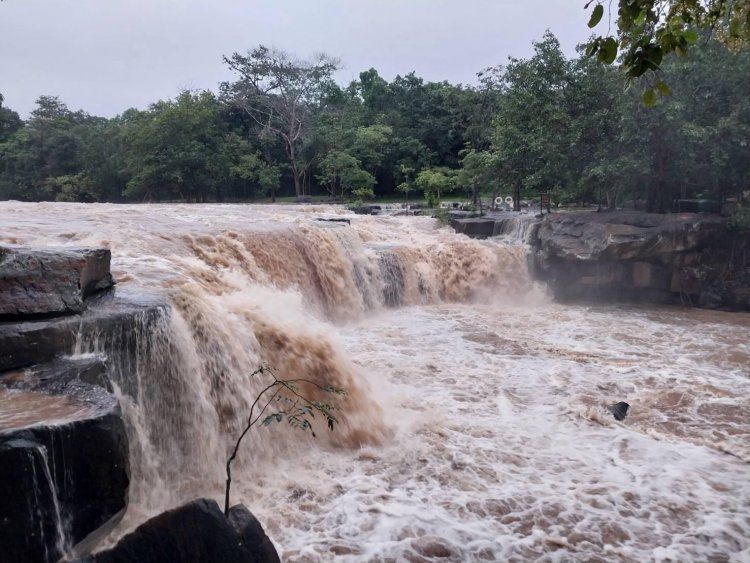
(63, 446)
(691, 259)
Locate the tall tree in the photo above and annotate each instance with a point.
(176, 149)
(10, 122)
(533, 125)
(280, 93)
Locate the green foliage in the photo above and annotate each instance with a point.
(434, 183)
(740, 219)
(253, 167)
(73, 187)
(284, 128)
(10, 122)
(292, 404)
(342, 175)
(650, 30)
(442, 215)
(480, 171)
(176, 148)
(279, 93)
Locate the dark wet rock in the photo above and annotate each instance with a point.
(474, 227)
(252, 536)
(50, 281)
(517, 226)
(690, 259)
(76, 452)
(114, 317)
(28, 522)
(366, 209)
(194, 532)
(61, 480)
(619, 410)
(335, 220)
(77, 376)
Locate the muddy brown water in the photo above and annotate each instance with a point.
(475, 427)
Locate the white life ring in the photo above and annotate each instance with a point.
(498, 201)
(509, 200)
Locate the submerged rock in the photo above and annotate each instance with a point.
(619, 410)
(196, 532)
(366, 209)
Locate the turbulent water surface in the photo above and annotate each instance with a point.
(475, 425)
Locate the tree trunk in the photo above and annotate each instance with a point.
(290, 152)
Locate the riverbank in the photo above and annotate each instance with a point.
(688, 259)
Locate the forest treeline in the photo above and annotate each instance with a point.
(284, 127)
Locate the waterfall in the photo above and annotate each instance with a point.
(242, 294)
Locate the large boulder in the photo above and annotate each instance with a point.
(50, 281)
(675, 258)
(196, 532)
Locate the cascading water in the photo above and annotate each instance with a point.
(472, 428)
(44, 487)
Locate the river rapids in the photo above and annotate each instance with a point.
(474, 427)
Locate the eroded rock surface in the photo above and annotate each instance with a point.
(64, 460)
(50, 281)
(685, 258)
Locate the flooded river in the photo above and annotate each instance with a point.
(475, 425)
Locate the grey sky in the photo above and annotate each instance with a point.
(105, 56)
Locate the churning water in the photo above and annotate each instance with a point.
(475, 426)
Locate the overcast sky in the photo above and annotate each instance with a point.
(105, 56)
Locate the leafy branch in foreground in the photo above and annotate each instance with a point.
(291, 404)
(649, 30)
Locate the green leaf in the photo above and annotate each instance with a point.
(690, 35)
(735, 27)
(273, 417)
(641, 19)
(663, 88)
(649, 98)
(592, 48)
(596, 15)
(608, 51)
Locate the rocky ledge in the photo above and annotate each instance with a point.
(48, 282)
(688, 258)
(65, 336)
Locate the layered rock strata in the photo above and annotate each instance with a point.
(64, 470)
